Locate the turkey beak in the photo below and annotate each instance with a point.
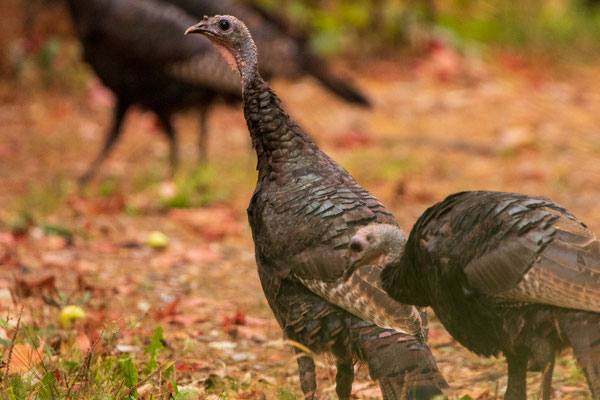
(200, 27)
(350, 269)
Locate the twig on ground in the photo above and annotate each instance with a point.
(146, 379)
(13, 341)
(85, 368)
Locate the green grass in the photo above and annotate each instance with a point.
(64, 372)
(375, 164)
(219, 181)
(41, 198)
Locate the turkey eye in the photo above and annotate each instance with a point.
(224, 25)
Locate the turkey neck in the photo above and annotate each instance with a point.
(279, 143)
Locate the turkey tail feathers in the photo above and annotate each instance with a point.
(403, 365)
(582, 330)
(339, 86)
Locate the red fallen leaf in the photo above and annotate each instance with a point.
(60, 110)
(83, 343)
(435, 333)
(96, 291)
(105, 247)
(168, 387)
(517, 63)
(105, 205)
(8, 150)
(442, 63)
(255, 334)
(512, 60)
(25, 288)
(256, 321)
(202, 255)
(212, 223)
(24, 358)
(94, 325)
(34, 44)
(570, 389)
(485, 395)
(167, 260)
(54, 243)
(252, 394)
(353, 139)
(230, 323)
(85, 266)
(190, 367)
(184, 320)
(7, 238)
(239, 318)
(58, 377)
(169, 310)
(9, 258)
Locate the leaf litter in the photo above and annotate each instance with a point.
(192, 312)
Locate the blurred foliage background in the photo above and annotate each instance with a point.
(36, 30)
(539, 26)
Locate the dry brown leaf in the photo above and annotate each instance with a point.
(213, 223)
(24, 358)
(83, 343)
(26, 288)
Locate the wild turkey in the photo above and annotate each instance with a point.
(503, 272)
(303, 211)
(152, 65)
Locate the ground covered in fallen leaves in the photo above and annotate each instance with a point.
(191, 299)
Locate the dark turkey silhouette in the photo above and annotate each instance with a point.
(150, 64)
(303, 211)
(503, 272)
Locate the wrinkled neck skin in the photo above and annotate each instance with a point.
(392, 243)
(248, 64)
(393, 253)
(242, 59)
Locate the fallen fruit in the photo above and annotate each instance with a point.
(70, 313)
(157, 240)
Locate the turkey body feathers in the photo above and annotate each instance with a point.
(136, 63)
(150, 64)
(506, 272)
(510, 246)
(303, 212)
(306, 208)
(401, 363)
